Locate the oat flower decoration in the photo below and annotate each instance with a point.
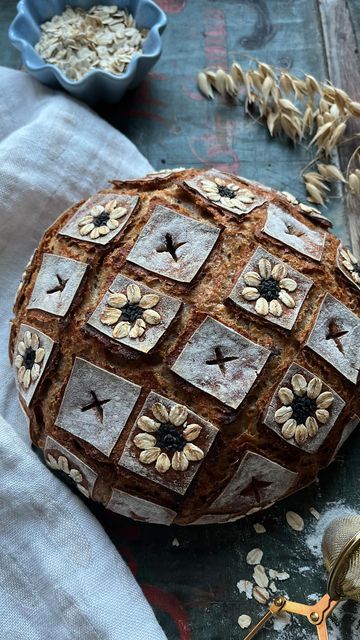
(303, 408)
(62, 464)
(227, 194)
(130, 312)
(167, 439)
(29, 358)
(351, 264)
(269, 287)
(101, 219)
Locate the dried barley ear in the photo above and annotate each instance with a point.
(302, 109)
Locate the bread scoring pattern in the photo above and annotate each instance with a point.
(213, 297)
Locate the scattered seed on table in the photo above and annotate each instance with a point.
(294, 521)
(254, 556)
(260, 576)
(261, 595)
(244, 621)
(245, 586)
(278, 575)
(314, 512)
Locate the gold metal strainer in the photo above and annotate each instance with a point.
(341, 552)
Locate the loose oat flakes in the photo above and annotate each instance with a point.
(261, 595)
(294, 521)
(254, 556)
(244, 621)
(259, 528)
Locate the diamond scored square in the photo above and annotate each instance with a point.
(167, 307)
(335, 337)
(96, 405)
(289, 316)
(177, 481)
(244, 196)
(221, 362)
(57, 283)
(72, 230)
(293, 233)
(173, 245)
(311, 445)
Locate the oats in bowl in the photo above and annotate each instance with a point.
(77, 41)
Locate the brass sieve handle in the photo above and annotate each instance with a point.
(350, 548)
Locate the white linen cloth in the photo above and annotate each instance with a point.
(60, 575)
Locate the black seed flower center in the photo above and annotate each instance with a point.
(357, 267)
(29, 358)
(225, 192)
(170, 438)
(269, 289)
(303, 408)
(101, 219)
(131, 312)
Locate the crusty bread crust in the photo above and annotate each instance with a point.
(241, 429)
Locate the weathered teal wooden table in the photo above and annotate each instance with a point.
(190, 575)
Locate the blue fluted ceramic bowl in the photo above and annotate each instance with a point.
(24, 32)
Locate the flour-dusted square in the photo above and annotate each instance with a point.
(303, 409)
(221, 362)
(96, 405)
(283, 227)
(173, 245)
(168, 443)
(101, 218)
(78, 472)
(271, 289)
(56, 284)
(133, 314)
(225, 192)
(335, 337)
(31, 355)
(256, 483)
(139, 509)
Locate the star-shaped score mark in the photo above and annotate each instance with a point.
(254, 489)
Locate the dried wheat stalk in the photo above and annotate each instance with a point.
(302, 109)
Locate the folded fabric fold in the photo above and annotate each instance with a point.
(54, 151)
(61, 577)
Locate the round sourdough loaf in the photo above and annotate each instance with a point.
(186, 346)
